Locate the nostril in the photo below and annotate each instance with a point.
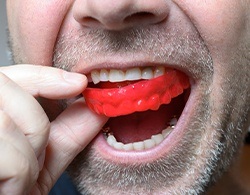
(143, 18)
(90, 20)
(139, 16)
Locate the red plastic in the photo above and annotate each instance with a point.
(140, 96)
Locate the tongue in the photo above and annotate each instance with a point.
(140, 126)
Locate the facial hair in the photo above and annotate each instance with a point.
(199, 159)
(208, 145)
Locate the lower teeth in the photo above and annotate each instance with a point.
(141, 145)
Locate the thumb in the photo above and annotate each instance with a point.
(71, 132)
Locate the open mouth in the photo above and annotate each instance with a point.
(144, 104)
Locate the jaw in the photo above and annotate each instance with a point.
(127, 135)
(170, 162)
(183, 161)
(146, 136)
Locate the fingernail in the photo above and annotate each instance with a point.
(74, 78)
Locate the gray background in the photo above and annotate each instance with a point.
(4, 53)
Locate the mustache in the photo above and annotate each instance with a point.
(181, 47)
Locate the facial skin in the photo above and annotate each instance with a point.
(208, 40)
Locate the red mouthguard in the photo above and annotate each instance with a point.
(140, 96)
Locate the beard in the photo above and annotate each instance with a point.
(94, 175)
(210, 142)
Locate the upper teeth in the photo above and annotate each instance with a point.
(132, 74)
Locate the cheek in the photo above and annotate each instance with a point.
(223, 26)
(221, 23)
(34, 26)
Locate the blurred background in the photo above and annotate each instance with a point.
(4, 53)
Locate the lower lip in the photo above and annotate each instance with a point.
(146, 156)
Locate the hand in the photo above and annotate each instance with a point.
(35, 151)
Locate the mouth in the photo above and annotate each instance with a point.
(144, 106)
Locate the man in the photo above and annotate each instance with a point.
(167, 95)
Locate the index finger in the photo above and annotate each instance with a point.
(44, 81)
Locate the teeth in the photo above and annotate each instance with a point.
(157, 138)
(147, 73)
(95, 76)
(116, 75)
(138, 145)
(141, 145)
(159, 71)
(173, 122)
(128, 147)
(104, 75)
(132, 74)
(149, 143)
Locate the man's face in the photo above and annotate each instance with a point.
(208, 41)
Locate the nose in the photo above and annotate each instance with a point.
(119, 14)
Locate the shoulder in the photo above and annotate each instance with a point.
(64, 186)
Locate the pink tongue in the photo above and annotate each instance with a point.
(142, 125)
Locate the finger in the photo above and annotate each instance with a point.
(26, 112)
(18, 164)
(10, 133)
(15, 172)
(46, 81)
(71, 132)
